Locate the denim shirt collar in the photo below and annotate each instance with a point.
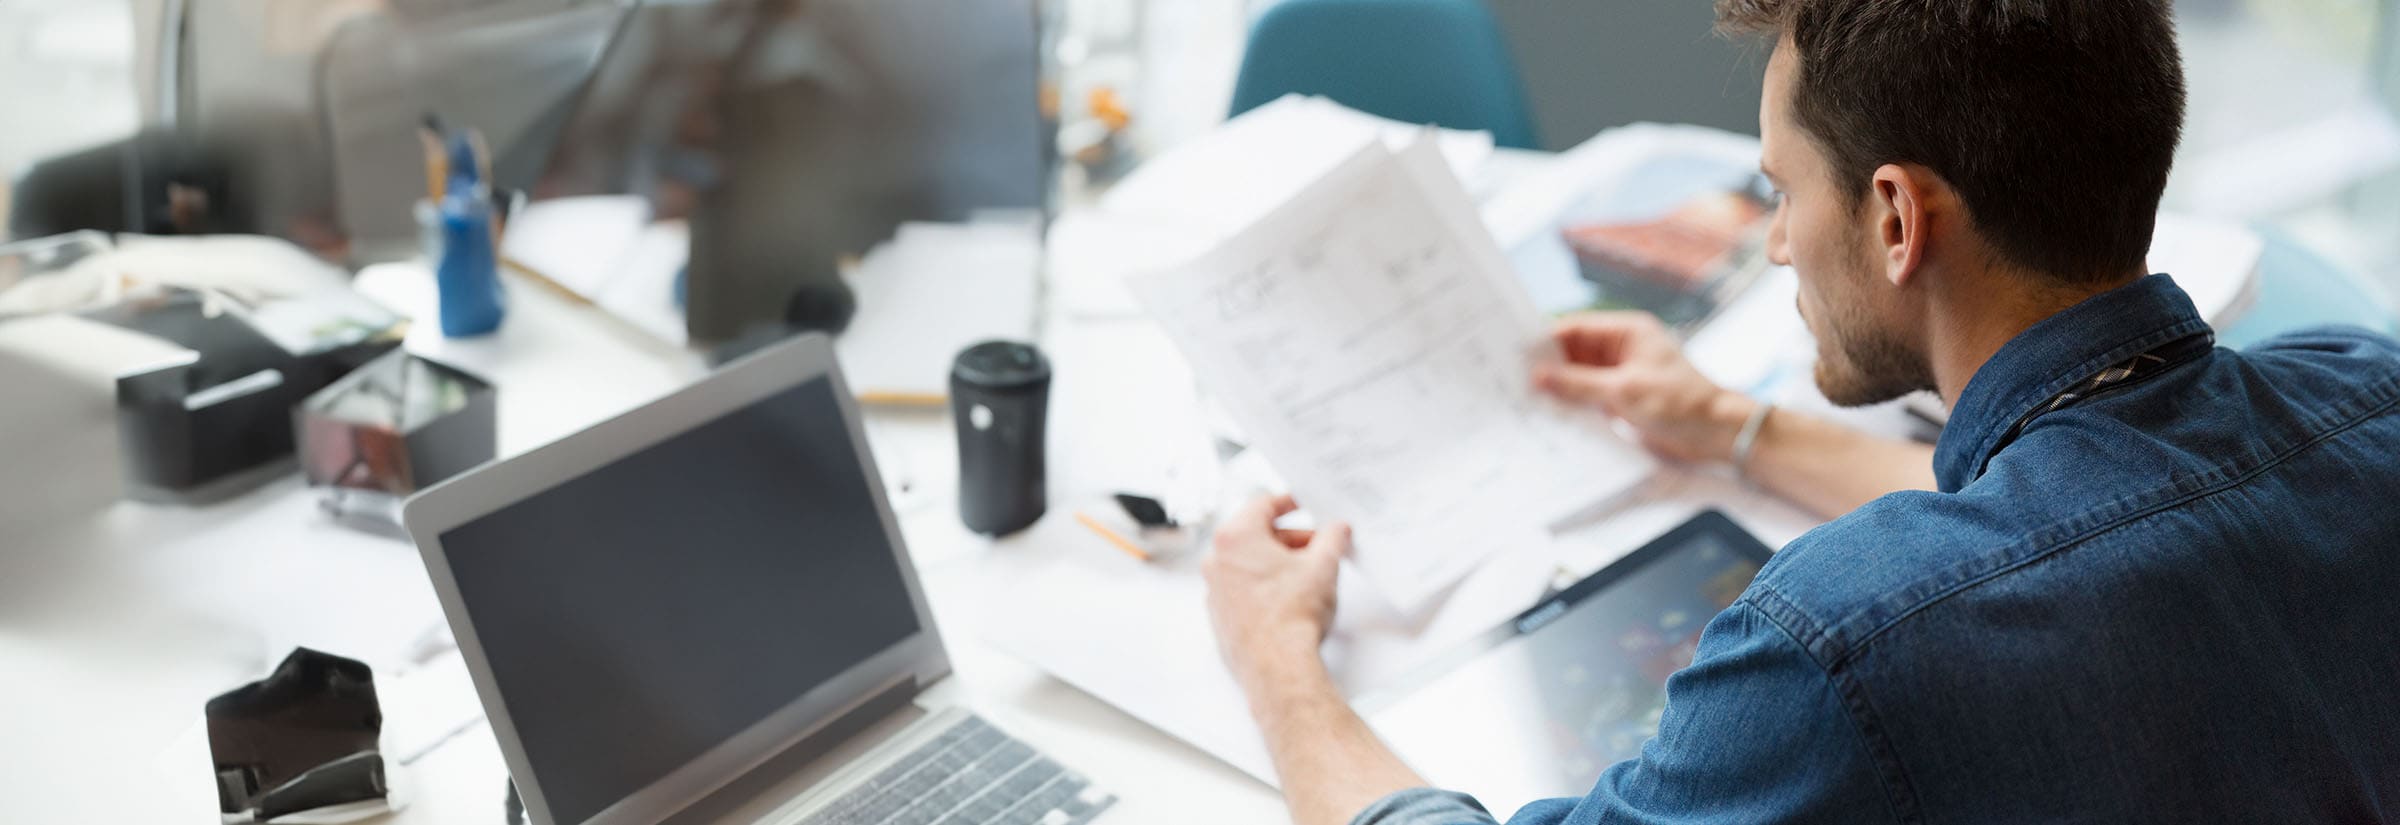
(2050, 357)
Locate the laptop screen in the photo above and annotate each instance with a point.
(638, 615)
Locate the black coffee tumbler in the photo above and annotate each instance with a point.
(1000, 398)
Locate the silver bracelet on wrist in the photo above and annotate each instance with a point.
(1747, 438)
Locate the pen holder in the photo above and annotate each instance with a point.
(458, 233)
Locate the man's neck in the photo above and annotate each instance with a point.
(1975, 316)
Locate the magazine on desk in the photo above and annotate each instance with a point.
(1682, 265)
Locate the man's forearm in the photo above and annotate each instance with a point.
(1331, 764)
(1832, 469)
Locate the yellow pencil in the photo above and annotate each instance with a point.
(437, 164)
(1130, 548)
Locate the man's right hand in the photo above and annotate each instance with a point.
(1629, 365)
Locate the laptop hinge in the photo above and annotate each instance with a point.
(783, 766)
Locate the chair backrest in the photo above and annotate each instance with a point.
(1441, 62)
(2298, 288)
(1591, 65)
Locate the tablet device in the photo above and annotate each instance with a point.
(1539, 706)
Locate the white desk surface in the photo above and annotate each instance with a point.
(114, 631)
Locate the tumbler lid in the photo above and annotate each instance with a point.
(1000, 365)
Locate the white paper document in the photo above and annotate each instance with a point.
(1371, 341)
(929, 292)
(1137, 634)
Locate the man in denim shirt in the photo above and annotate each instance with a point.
(2138, 579)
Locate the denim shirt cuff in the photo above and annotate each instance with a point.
(1425, 806)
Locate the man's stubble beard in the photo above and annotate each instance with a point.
(1862, 365)
(1861, 362)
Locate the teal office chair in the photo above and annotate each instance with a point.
(1441, 62)
(2297, 289)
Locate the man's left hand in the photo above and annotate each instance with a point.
(1271, 592)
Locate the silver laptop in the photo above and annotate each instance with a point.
(702, 611)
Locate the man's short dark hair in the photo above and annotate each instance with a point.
(2055, 120)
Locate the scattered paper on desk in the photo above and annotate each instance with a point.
(1370, 340)
(931, 291)
(1092, 250)
(607, 250)
(579, 243)
(643, 291)
(1137, 634)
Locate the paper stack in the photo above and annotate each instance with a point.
(929, 292)
(606, 250)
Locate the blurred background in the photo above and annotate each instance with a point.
(2291, 99)
(238, 232)
(920, 175)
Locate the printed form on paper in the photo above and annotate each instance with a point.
(1371, 342)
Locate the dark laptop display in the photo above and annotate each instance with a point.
(647, 611)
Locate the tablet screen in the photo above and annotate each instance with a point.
(1577, 683)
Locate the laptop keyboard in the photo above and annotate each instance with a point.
(970, 774)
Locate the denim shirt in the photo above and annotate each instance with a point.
(2175, 599)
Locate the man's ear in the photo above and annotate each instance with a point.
(1899, 208)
